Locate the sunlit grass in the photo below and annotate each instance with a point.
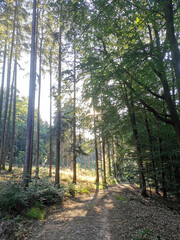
(85, 178)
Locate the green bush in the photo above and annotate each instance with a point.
(14, 198)
(71, 189)
(81, 189)
(36, 213)
(42, 191)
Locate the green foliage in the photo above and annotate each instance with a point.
(36, 213)
(15, 198)
(82, 189)
(144, 234)
(44, 192)
(121, 198)
(71, 189)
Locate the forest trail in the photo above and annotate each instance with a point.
(116, 213)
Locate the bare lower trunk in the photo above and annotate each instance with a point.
(152, 154)
(104, 162)
(109, 159)
(8, 87)
(113, 159)
(130, 105)
(14, 117)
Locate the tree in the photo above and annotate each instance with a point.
(3, 146)
(14, 116)
(58, 99)
(41, 11)
(74, 121)
(30, 118)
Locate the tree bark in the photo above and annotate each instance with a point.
(14, 117)
(74, 121)
(8, 85)
(39, 99)
(58, 127)
(104, 161)
(96, 149)
(130, 106)
(109, 159)
(161, 158)
(173, 43)
(30, 118)
(152, 154)
(113, 159)
(2, 81)
(50, 127)
(4, 150)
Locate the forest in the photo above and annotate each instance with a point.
(112, 72)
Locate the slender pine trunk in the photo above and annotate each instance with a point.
(104, 161)
(8, 86)
(74, 121)
(7, 130)
(109, 159)
(2, 81)
(50, 128)
(30, 118)
(14, 117)
(96, 149)
(58, 127)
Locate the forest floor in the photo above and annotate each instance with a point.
(116, 213)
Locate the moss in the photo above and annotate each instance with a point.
(36, 213)
(121, 198)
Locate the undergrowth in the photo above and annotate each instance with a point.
(16, 199)
(31, 201)
(36, 213)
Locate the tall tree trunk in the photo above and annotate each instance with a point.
(39, 99)
(130, 106)
(50, 127)
(173, 43)
(161, 73)
(74, 121)
(58, 127)
(104, 161)
(109, 159)
(8, 85)
(138, 148)
(96, 149)
(100, 158)
(152, 153)
(2, 81)
(30, 118)
(4, 150)
(161, 158)
(113, 159)
(14, 116)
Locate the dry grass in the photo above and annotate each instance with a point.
(85, 178)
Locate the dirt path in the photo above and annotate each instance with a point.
(117, 213)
